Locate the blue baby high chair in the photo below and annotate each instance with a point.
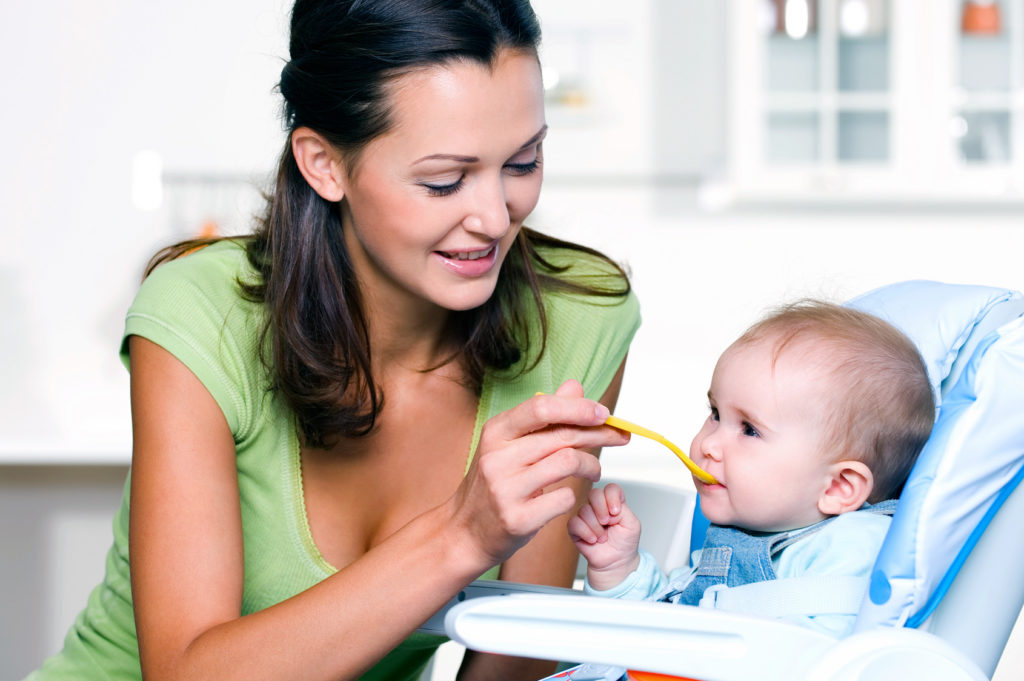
(948, 583)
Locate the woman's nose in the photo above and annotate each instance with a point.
(489, 215)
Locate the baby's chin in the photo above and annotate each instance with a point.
(729, 518)
(716, 515)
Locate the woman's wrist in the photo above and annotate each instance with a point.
(465, 548)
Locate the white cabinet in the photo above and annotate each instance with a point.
(884, 100)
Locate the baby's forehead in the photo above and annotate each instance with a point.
(778, 343)
(808, 358)
(797, 385)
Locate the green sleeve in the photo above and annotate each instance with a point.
(192, 307)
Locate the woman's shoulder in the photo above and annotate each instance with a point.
(205, 281)
(204, 284)
(580, 262)
(214, 266)
(597, 301)
(194, 307)
(590, 323)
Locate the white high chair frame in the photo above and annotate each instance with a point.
(961, 618)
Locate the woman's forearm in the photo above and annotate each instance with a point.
(340, 627)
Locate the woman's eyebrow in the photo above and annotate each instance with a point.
(448, 157)
(473, 159)
(536, 138)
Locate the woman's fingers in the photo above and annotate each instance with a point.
(524, 478)
(548, 425)
(521, 492)
(514, 486)
(567, 407)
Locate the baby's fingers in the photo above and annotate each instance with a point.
(614, 498)
(584, 527)
(606, 503)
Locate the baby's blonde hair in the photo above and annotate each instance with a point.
(881, 409)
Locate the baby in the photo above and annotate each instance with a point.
(817, 413)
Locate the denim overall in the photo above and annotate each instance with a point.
(734, 557)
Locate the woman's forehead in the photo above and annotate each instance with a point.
(468, 104)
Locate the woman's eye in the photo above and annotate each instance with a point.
(519, 169)
(749, 430)
(443, 189)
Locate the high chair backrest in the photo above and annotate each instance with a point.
(953, 561)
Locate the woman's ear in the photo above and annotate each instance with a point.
(848, 488)
(319, 163)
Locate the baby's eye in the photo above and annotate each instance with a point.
(749, 430)
(714, 413)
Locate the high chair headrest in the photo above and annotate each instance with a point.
(941, 319)
(972, 341)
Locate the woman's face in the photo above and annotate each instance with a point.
(433, 206)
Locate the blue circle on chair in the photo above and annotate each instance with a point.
(880, 589)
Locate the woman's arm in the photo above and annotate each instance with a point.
(186, 537)
(549, 558)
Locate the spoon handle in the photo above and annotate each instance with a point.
(698, 472)
(629, 426)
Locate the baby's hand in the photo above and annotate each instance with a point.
(607, 534)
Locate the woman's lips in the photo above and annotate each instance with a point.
(470, 263)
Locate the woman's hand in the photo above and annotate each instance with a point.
(607, 533)
(522, 451)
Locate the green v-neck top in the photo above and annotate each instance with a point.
(192, 307)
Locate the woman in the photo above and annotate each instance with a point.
(334, 428)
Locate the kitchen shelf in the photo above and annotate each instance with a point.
(900, 107)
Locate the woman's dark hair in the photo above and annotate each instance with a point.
(344, 53)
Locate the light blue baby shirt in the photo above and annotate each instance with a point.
(846, 546)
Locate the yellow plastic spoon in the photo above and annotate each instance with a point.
(622, 424)
(698, 472)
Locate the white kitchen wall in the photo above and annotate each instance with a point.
(93, 84)
(89, 86)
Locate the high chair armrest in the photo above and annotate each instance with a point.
(696, 642)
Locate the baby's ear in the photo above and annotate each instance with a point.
(848, 488)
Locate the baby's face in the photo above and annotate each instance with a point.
(764, 439)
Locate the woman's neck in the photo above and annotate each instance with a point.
(414, 335)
